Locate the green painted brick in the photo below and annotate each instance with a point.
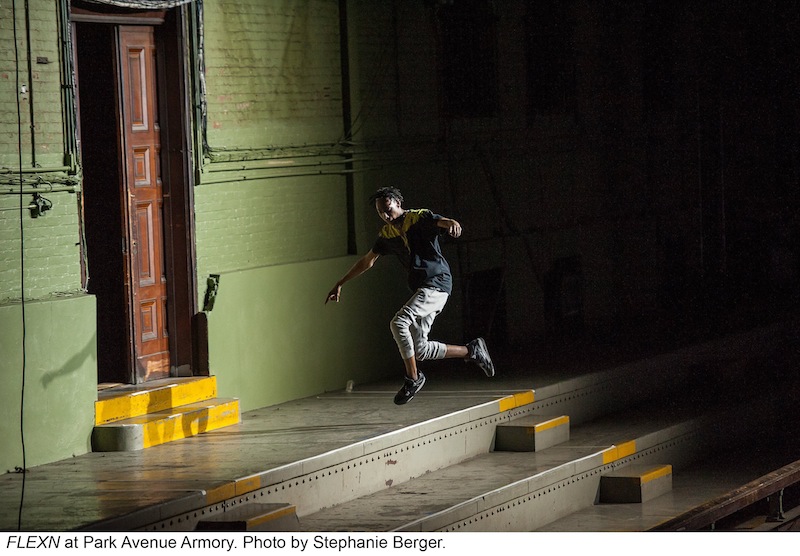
(52, 258)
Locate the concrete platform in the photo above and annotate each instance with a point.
(283, 444)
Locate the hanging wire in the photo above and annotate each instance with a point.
(22, 469)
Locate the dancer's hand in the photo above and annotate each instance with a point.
(452, 226)
(334, 294)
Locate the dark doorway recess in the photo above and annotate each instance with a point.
(137, 192)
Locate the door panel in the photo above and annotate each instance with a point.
(146, 277)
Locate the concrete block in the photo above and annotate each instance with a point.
(117, 404)
(253, 517)
(635, 484)
(532, 433)
(159, 427)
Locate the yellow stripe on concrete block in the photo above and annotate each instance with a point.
(271, 516)
(626, 449)
(220, 493)
(248, 484)
(661, 471)
(618, 452)
(552, 423)
(127, 402)
(192, 420)
(610, 455)
(524, 398)
(153, 429)
(516, 400)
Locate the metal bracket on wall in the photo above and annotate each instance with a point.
(212, 286)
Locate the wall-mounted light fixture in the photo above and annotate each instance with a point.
(39, 206)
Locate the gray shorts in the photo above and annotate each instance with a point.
(412, 324)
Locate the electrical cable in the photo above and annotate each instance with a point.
(23, 469)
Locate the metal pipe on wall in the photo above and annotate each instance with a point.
(32, 170)
(277, 164)
(289, 175)
(30, 82)
(31, 191)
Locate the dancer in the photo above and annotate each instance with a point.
(413, 236)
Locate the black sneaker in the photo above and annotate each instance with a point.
(409, 389)
(479, 355)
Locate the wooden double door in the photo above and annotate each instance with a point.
(138, 251)
(144, 210)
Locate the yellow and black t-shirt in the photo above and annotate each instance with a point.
(416, 244)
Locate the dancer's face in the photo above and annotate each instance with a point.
(388, 209)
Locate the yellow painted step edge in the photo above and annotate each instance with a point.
(552, 423)
(239, 487)
(619, 451)
(193, 422)
(516, 400)
(134, 404)
(149, 430)
(271, 516)
(657, 473)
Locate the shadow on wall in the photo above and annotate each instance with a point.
(73, 364)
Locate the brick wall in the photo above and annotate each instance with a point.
(272, 72)
(43, 84)
(567, 179)
(273, 83)
(52, 262)
(52, 257)
(252, 224)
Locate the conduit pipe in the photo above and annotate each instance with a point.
(31, 191)
(288, 175)
(31, 107)
(29, 207)
(277, 164)
(36, 170)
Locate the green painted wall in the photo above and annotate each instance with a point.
(51, 247)
(60, 325)
(38, 87)
(271, 214)
(273, 73)
(265, 222)
(60, 379)
(273, 338)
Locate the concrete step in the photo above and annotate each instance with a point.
(253, 517)
(126, 401)
(377, 466)
(167, 425)
(522, 491)
(635, 484)
(351, 480)
(532, 433)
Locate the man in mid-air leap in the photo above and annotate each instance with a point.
(413, 236)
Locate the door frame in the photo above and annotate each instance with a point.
(177, 178)
(178, 192)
